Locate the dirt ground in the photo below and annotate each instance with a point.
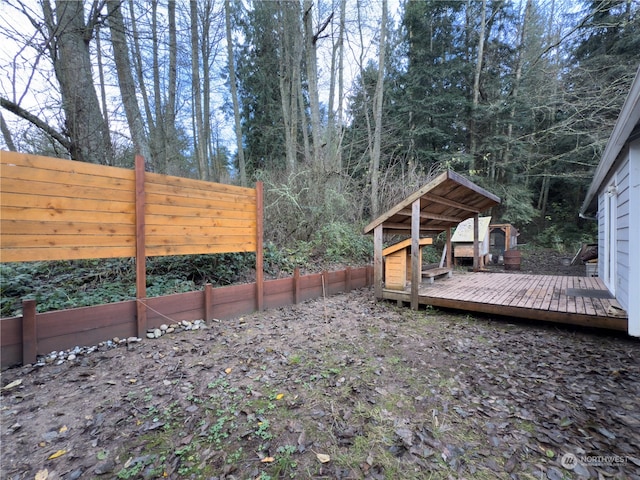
(343, 387)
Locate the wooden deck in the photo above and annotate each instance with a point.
(535, 297)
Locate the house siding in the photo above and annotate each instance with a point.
(622, 234)
(600, 234)
(620, 177)
(633, 216)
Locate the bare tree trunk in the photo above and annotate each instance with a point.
(289, 75)
(377, 104)
(6, 134)
(518, 77)
(169, 120)
(303, 116)
(312, 79)
(103, 90)
(157, 135)
(476, 81)
(343, 14)
(199, 138)
(365, 100)
(234, 96)
(206, 84)
(125, 80)
(137, 61)
(69, 40)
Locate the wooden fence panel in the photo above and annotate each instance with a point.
(54, 209)
(185, 216)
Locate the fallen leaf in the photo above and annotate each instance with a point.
(323, 458)
(59, 453)
(42, 475)
(267, 460)
(13, 384)
(132, 380)
(228, 370)
(280, 396)
(63, 429)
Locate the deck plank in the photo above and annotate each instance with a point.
(515, 283)
(493, 284)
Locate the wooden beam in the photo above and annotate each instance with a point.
(407, 227)
(432, 216)
(427, 231)
(416, 261)
(450, 203)
(377, 261)
(141, 266)
(259, 247)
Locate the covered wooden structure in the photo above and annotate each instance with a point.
(438, 206)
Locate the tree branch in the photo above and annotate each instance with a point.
(322, 28)
(21, 112)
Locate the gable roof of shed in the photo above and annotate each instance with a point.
(445, 201)
(628, 120)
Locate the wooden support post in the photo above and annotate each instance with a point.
(416, 261)
(448, 247)
(325, 284)
(476, 243)
(296, 285)
(29, 332)
(259, 248)
(208, 302)
(347, 280)
(377, 261)
(141, 266)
